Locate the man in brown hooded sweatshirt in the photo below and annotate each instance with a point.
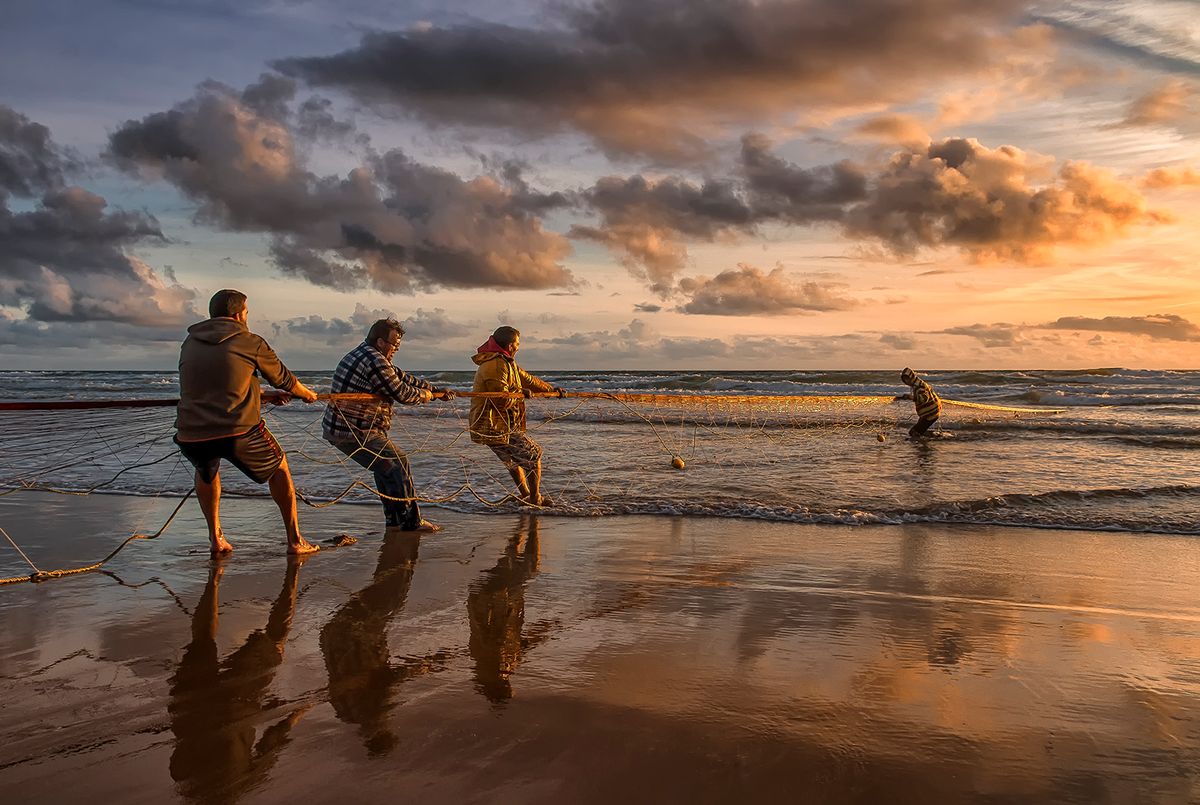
(219, 414)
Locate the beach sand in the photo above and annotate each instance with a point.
(516, 658)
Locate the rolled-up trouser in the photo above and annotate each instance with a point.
(393, 477)
(922, 425)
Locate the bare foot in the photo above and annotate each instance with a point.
(425, 527)
(542, 502)
(302, 548)
(220, 546)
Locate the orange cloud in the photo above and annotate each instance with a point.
(994, 204)
(1169, 102)
(1162, 178)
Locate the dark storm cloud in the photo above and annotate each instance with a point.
(30, 162)
(67, 259)
(642, 76)
(1163, 327)
(646, 222)
(749, 291)
(391, 224)
(780, 190)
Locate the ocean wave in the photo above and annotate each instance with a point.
(1170, 509)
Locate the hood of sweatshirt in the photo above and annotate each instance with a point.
(480, 358)
(214, 331)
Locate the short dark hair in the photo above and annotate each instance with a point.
(383, 328)
(505, 335)
(226, 303)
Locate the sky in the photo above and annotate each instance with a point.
(634, 184)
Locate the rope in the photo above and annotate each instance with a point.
(45, 575)
(275, 398)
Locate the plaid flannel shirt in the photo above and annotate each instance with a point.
(364, 370)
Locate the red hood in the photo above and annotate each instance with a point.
(492, 346)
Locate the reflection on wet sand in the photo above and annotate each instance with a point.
(496, 610)
(214, 705)
(354, 644)
(691, 660)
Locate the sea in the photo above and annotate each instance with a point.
(1101, 449)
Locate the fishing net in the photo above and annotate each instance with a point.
(603, 453)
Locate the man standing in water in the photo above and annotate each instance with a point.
(500, 422)
(360, 430)
(219, 414)
(926, 401)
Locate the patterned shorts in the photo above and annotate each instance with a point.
(255, 453)
(521, 451)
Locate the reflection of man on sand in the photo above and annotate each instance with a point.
(496, 609)
(214, 704)
(355, 646)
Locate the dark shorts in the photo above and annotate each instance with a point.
(521, 451)
(255, 453)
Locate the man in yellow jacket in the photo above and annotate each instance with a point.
(499, 422)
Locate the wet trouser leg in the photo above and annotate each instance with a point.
(393, 477)
(922, 425)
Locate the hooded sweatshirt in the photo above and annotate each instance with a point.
(218, 387)
(493, 420)
(925, 399)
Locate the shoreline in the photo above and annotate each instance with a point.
(549, 659)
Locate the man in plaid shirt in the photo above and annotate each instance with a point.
(360, 430)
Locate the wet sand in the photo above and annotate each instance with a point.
(516, 658)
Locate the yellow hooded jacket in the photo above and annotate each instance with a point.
(493, 420)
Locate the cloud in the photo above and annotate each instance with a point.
(652, 76)
(894, 128)
(990, 204)
(1162, 178)
(22, 334)
(748, 291)
(640, 345)
(332, 331)
(781, 191)
(67, 259)
(423, 325)
(1169, 102)
(30, 161)
(993, 204)
(647, 221)
(1159, 34)
(391, 224)
(433, 325)
(1161, 327)
(647, 307)
(895, 341)
(991, 335)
